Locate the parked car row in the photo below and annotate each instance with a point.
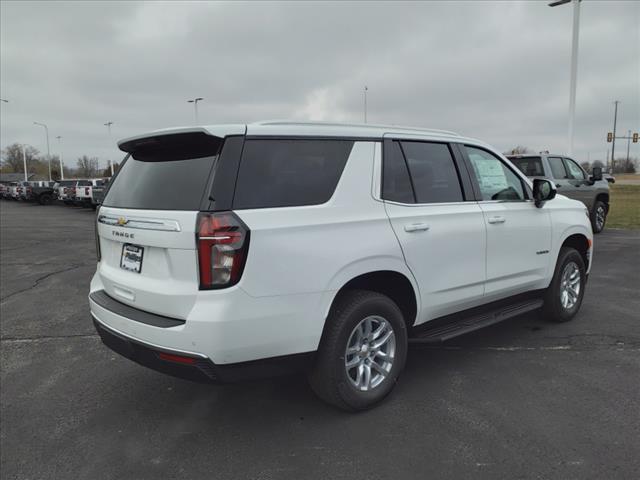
(78, 192)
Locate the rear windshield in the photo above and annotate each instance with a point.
(530, 166)
(279, 173)
(165, 173)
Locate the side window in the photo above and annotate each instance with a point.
(557, 167)
(283, 173)
(496, 180)
(396, 185)
(574, 169)
(433, 172)
(530, 166)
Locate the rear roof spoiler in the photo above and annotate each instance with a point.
(132, 144)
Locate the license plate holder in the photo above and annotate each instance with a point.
(131, 258)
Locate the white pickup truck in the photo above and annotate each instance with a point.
(84, 191)
(66, 190)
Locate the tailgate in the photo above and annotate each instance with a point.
(147, 223)
(164, 277)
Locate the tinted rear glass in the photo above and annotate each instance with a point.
(165, 185)
(279, 173)
(433, 172)
(530, 166)
(396, 185)
(168, 172)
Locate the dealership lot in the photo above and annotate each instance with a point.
(524, 399)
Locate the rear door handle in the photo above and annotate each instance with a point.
(416, 227)
(497, 220)
(558, 185)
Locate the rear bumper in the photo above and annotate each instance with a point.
(189, 364)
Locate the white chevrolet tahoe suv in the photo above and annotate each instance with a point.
(233, 251)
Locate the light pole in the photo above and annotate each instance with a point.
(24, 161)
(628, 144)
(613, 145)
(46, 129)
(195, 106)
(108, 125)
(60, 150)
(366, 89)
(574, 64)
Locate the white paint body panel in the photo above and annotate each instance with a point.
(299, 257)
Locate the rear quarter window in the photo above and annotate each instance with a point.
(283, 173)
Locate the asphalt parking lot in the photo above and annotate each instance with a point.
(523, 399)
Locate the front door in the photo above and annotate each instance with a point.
(518, 233)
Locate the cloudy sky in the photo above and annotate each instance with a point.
(498, 71)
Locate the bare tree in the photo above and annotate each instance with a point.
(87, 166)
(518, 150)
(624, 165)
(12, 158)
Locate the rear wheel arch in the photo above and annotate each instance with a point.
(393, 284)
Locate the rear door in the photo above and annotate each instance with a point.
(439, 225)
(518, 233)
(147, 222)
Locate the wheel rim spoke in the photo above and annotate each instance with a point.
(570, 285)
(370, 353)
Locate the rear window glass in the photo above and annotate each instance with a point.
(433, 172)
(168, 172)
(396, 184)
(163, 185)
(530, 166)
(280, 173)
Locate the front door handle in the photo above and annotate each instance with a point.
(558, 185)
(497, 220)
(416, 227)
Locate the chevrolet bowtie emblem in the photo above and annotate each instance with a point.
(122, 221)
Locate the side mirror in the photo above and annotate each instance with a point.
(596, 174)
(543, 190)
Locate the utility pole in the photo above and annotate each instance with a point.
(195, 106)
(24, 161)
(574, 64)
(366, 89)
(46, 129)
(108, 125)
(613, 145)
(60, 151)
(628, 144)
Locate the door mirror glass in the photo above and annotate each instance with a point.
(596, 174)
(543, 190)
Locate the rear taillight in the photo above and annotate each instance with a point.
(223, 244)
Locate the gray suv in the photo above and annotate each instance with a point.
(570, 180)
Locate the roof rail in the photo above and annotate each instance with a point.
(356, 125)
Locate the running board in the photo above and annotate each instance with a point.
(452, 326)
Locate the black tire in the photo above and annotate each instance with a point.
(553, 309)
(329, 378)
(45, 199)
(599, 216)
